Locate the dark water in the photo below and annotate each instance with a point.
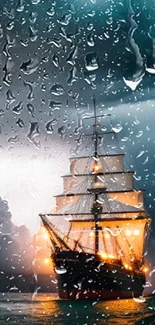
(48, 309)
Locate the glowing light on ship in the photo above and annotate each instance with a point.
(46, 260)
(96, 168)
(128, 232)
(136, 232)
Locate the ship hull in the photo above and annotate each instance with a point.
(87, 276)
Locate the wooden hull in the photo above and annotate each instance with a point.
(86, 276)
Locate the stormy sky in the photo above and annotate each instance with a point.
(55, 55)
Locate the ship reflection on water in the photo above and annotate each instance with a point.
(49, 310)
(125, 312)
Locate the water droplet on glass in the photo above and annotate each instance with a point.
(90, 26)
(57, 90)
(139, 134)
(20, 123)
(33, 17)
(18, 108)
(30, 66)
(30, 108)
(140, 154)
(1, 31)
(72, 55)
(55, 60)
(51, 12)
(7, 71)
(10, 25)
(13, 139)
(30, 95)
(65, 19)
(33, 133)
(33, 34)
(90, 39)
(49, 126)
(24, 42)
(1, 112)
(10, 97)
(20, 6)
(91, 61)
(61, 131)
(117, 128)
(60, 270)
(35, 2)
(55, 41)
(72, 76)
(55, 105)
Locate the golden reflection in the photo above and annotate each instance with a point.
(48, 309)
(126, 310)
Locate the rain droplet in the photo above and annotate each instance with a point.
(35, 2)
(65, 19)
(60, 270)
(90, 39)
(139, 134)
(7, 72)
(90, 79)
(10, 25)
(30, 108)
(33, 17)
(55, 105)
(10, 97)
(51, 12)
(30, 66)
(33, 34)
(30, 95)
(49, 126)
(33, 133)
(13, 139)
(140, 154)
(91, 61)
(18, 108)
(72, 76)
(90, 26)
(72, 55)
(55, 60)
(1, 31)
(57, 90)
(25, 42)
(61, 131)
(1, 112)
(117, 128)
(20, 6)
(20, 123)
(54, 41)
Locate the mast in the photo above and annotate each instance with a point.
(96, 208)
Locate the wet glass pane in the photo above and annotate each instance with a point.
(77, 162)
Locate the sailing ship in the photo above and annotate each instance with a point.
(99, 228)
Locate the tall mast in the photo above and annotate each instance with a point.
(96, 208)
(95, 130)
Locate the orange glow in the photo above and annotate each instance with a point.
(145, 269)
(45, 235)
(106, 235)
(136, 232)
(126, 266)
(128, 232)
(47, 260)
(96, 168)
(106, 256)
(91, 234)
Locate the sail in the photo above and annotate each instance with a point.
(122, 239)
(82, 204)
(112, 182)
(110, 163)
